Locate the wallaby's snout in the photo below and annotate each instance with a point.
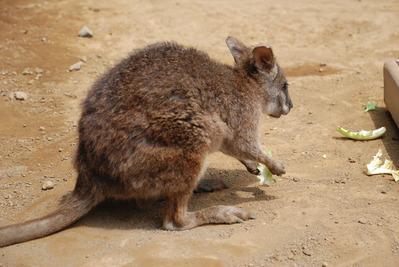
(279, 102)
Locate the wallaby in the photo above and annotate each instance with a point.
(148, 125)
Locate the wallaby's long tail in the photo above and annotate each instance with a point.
(74, 207)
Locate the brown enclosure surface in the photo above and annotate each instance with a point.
(325, 210)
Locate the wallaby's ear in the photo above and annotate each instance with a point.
(263, 57)
(237, 49)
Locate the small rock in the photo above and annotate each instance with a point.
(27, 71)
(85, 32)
(307, 252)
(44, 39)
(47, 185)
(362, 221)
(21, 95)
(322, 64)
(76, 66)
(324, 264)
(94, 9)
(38, 70)
(351, 160)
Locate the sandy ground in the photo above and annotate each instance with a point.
(324, 211)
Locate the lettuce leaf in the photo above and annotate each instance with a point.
(265, 176)
(377, 167)
(363, 134)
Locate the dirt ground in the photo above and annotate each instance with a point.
(324, 212)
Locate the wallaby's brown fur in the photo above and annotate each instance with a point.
(148, 125)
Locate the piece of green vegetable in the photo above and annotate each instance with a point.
(372, 105)
(362, 135)
(376, 167)
(265, 176)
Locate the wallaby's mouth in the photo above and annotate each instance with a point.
(275, 115)
(275, 111)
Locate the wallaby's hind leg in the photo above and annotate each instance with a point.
(182, 179)
(177, 217)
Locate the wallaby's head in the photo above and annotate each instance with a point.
(261, 65)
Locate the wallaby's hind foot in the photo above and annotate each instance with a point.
(178, 218)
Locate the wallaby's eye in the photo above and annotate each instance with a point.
(284, 86)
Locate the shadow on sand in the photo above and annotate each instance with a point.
(125, 214)
(382, 117)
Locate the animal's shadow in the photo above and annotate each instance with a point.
(125, 214)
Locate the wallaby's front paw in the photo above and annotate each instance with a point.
(277, 168)
(253, 171)
(252, 166)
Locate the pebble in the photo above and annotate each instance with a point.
(47, 185)
(41, 128)
(38, 70)
(85, 32)
(362, 221)
(21, 95)
(27, 71)
(76, 66)
(307, 252)
(30, 71)
(351, 160)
